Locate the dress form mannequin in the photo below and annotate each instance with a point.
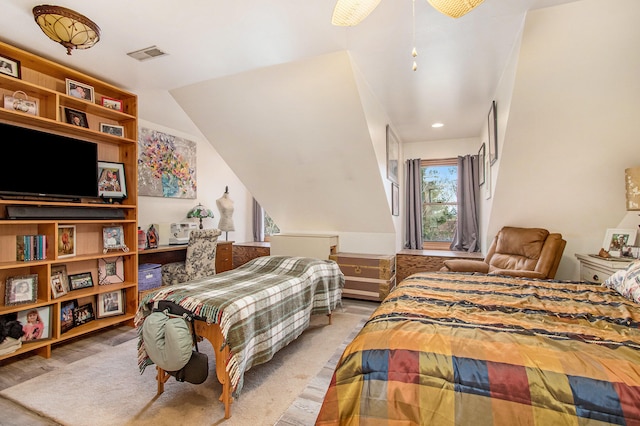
(225, 206)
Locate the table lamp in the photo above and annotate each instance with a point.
(201, 212)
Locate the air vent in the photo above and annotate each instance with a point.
(146, 53)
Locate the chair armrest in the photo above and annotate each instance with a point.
(518, 273)
(465, 265)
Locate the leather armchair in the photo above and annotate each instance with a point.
(200, 261)
(520, 252)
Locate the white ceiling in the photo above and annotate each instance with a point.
(459, 61)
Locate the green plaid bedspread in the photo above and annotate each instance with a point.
(261, 306)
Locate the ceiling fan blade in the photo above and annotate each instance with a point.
(348, 13)
(454, 8)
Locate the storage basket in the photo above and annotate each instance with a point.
(149, 276)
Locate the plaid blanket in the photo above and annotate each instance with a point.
(261, 306)
(462, 349)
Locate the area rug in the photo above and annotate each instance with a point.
(107, 389)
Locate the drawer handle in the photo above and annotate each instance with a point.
(596, 277)
(357, 270)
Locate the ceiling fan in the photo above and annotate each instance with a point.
(348, 13)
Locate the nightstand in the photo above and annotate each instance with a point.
(596, 269)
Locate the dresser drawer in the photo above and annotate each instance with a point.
(380, 267)
(594, 274)
(367, 288)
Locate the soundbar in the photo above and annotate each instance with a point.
(55, 212)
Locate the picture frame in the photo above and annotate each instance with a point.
(66, 315)
(110, 304)
(113, 238)
(21, 289)
(59, 285)
(395, 199)
(393, 155)
(76, 118)
(615, 239)
(83, 314)
(36, 323)
(111, 103)
(26, 105)
(112, 129)
(632, 252)
(80, 90)
(110, 270)
(66, 241)
(112, 182)
(81, 280)
(493, 132)
(481, 164)
(10, 67)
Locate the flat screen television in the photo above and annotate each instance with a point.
(42, 164)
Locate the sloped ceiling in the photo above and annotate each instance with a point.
(299, 137)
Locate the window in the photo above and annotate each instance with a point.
(439, 202)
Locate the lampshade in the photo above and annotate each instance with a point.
(201, 212)
(348, 13)
(67, 27)
(632, 185)
(454, 8)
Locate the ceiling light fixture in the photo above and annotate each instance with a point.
(454, 8)
(414, 52)
(67, 27)
(437, 125)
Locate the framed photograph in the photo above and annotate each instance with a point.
(58, 285)
(615, 239)
(111, 303)
(113, 238)
(66, 315)
(21, 289)
(631, 252)
(395, 199)
(393, 155)
(66, 241)
(112, 182)
(82, 280)
(112, 103)
(77, 118)
(79, 90)
(110, 270)
(493, 133)
(112, 129)
(481, 163)
(19, 101)
(35, 323)
(83, 314)
(10, 66)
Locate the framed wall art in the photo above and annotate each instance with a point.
(395, 199)
(10, 66)
(110, 304)
(66, 241)
(110, 270)
(481, 164)
(616, 239)
(21, 289)
(112, 182)
(393, 155)
(79, 90)
(493, 133)
(35, 323)
(82, 280)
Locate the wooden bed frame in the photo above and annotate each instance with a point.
(213, 334)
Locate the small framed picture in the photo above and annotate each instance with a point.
(76, 118)
(9, 66)
(481, 164)
(22, 104)
(66, 241)
(21, 289)
(66, 315)
(83, 314)
(616, 239)
(393, 155)
(112, 129)
(492, 122)
(631, 252)
(79, 90)
(111, 303)
(58, 285)
(82, 280)
(35, 323)
(112, 103)
(112, 182)
(113, 238)
(395, 199)
(110, 270)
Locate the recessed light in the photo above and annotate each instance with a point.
(436, 125)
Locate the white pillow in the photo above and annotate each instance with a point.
(626, 282)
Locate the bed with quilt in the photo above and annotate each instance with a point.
(473, 349)
(251, 312)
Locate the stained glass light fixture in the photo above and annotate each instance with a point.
(200, 212)
(67, 27)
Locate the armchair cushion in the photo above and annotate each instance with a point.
(465, 265)
(200, 260)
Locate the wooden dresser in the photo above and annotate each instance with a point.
(244, 252)
(367, 276)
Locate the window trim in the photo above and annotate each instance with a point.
(438, 245)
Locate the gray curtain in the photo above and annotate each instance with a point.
(258, 222)
(466, 236)
(413, 210)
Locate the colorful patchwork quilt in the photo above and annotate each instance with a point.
(471, 349)
(260, 306)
